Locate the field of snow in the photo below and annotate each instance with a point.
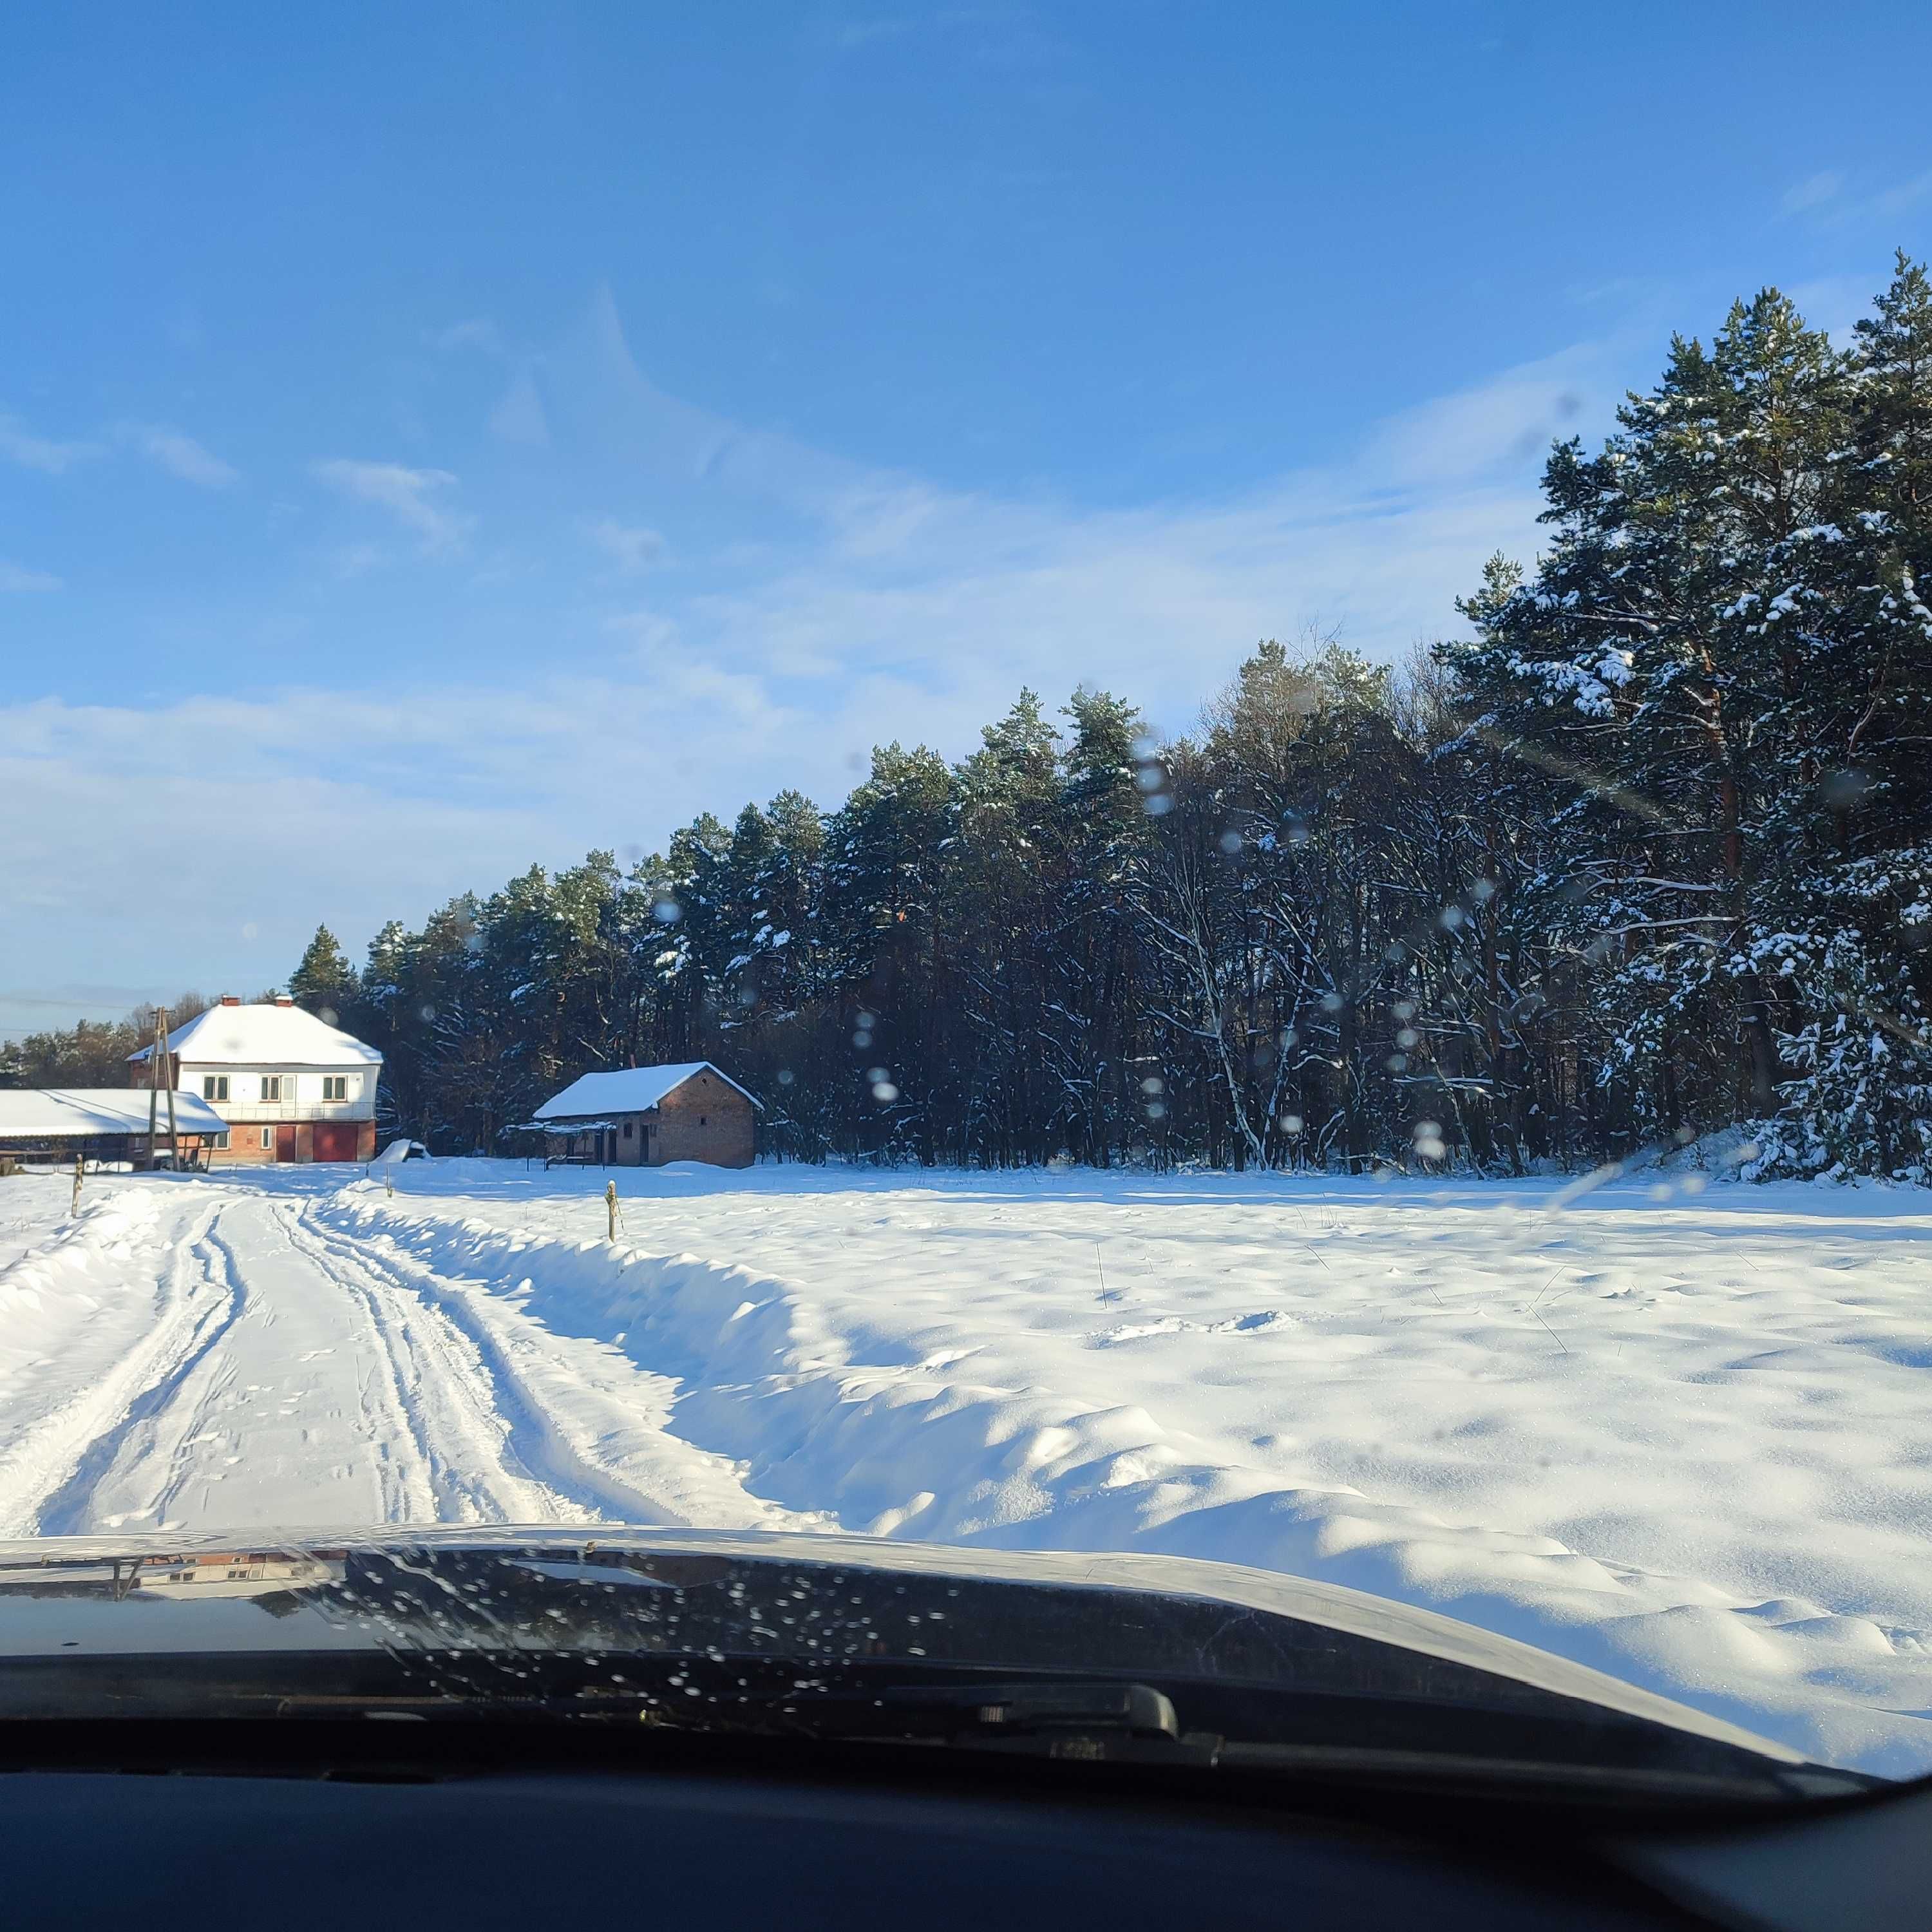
(1682, 1436)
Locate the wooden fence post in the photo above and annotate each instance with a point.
(611, 1205)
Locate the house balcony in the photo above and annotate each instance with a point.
(269, 1113)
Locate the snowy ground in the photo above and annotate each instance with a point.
(1685, 1439)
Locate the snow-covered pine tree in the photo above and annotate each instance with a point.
(1712, 631)
(1856, 821)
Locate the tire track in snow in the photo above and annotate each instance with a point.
(442, 1392)
(65, 1512)
(408, 1488)
(319, 1393)
(162, 1448)
(591, 1423)
(38, 1472)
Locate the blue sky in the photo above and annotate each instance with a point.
(436, 438)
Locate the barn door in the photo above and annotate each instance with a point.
(285, 1143)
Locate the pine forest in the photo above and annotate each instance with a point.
(1641, 854)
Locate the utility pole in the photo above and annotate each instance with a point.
(153, 1084)
(168, 1076)
(160, 1068)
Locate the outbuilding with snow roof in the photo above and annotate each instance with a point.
(289, 1086)
(102, 1123)
(646, 1116)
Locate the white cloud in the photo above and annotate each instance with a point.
(602, 404)
(1158, 606)
(630, 546)
(1836, 303)
(519, 417)
(1895, 200)
(1813, 191)
(18, 444)
(847, 606)
(1513, 417)
(404, 493)
(479, 332)
(350, 809)
(18, 577)
(853, 34)
(895, 607)
(920, 610)
(1828, 199)
(180, 455)
(355, 807)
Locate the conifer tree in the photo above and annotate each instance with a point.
(324, 982)
(1648, 854)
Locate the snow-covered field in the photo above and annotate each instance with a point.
(1685, 1437)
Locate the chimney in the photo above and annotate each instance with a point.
(231, 999)
(283, 1000)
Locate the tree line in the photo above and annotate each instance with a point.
(92, 1053)
(1646, 855)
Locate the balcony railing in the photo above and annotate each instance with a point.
(244, 1113)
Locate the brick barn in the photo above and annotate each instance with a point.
(645, 1116)
(289, 1087)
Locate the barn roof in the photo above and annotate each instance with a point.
(264, 1035)
(630, 1089)
(80, 1113)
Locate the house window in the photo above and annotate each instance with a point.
(335, 1086)
(215, 1086)
(629, 1134)
(271, 1089)
(221, 1140)
(702, 1121)
(268, 1137)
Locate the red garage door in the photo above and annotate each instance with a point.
(335, 1140)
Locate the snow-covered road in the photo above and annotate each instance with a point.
(1681, 1435)
(230, 1360)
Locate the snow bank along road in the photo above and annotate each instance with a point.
(1685, 1439)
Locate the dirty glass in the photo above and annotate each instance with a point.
(1114, 821)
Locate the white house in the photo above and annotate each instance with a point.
(290, 1087)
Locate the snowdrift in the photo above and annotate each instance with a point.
(844, 1423)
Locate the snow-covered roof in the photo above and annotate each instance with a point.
(630, 1089)
(267, 1035)
(76, 1113)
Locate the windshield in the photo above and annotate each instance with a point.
(1320, 1008)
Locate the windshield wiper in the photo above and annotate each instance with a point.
(1069, 1718)
(1137, 1708)
(1072, 1717)
(1128, 1722)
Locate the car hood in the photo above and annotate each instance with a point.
(503, 1595)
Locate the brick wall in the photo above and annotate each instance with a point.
(705, 1119)
(244, 1148)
